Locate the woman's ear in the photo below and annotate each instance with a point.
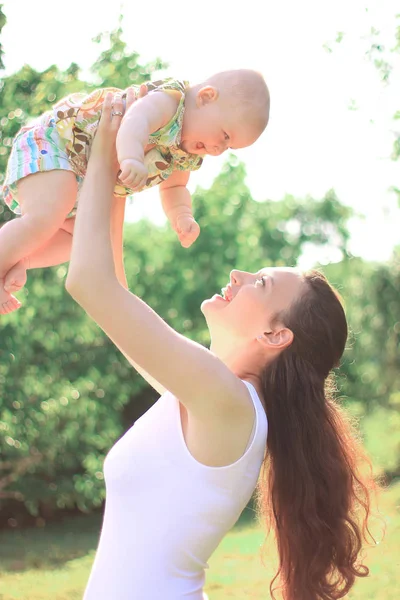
(206, 94)
(279, 338)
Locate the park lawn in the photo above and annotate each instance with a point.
(53, 563)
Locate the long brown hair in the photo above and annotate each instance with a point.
(311, 491)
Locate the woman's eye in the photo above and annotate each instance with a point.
(261, 280)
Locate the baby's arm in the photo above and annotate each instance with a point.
(177, 204)
(145, 116)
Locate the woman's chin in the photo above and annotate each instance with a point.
(217, 301)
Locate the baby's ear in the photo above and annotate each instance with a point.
(206, 95)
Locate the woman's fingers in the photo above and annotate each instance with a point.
(106, 111)
(117, 111)
(103, 146)
(142, 91)
(130, 97)
(114, 107)
(113, 110)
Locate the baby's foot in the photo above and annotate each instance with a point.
(15, 278)
(8, 303)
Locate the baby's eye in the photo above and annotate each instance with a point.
(226, 136)
(261, 280)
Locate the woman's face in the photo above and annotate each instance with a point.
(250, 301)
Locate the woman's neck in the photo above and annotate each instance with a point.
(246, 362)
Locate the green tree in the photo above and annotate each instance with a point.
(370, 375)
(119, 67)
(2, 23)
(29, 93)
(66, 394)
(396, 145)
(381, 54)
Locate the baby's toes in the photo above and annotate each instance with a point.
(10, 306)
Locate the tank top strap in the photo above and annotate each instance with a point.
(260, 425)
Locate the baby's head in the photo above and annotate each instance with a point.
(228, 110)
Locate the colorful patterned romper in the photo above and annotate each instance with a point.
(61, 139)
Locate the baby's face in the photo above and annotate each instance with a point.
(213, 128)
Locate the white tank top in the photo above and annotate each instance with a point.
(165, 512)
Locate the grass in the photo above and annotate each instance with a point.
(53, 563)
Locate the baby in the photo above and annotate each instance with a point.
(163, 136)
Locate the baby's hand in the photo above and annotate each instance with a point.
(133, 173)
(188, 230)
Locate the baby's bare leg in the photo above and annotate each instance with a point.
(54, 252)
(45, 199)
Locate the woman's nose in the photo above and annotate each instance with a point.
(241, 277)
(236, 277)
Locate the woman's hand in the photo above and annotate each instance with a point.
(103, 148)
(92, 253)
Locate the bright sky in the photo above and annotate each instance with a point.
(313, 142)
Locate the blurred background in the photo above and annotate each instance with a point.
(320, 188)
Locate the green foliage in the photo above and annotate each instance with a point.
(2, 23)
(66, 393)
(380, 54)
(44, 373)
(396, 144)
(117, 66)
(370, 374)
(371, 293)
(29, 93)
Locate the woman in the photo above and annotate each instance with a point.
(180, 477)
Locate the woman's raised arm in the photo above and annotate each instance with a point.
(191, 372)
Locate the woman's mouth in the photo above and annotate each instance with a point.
(227, 293)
